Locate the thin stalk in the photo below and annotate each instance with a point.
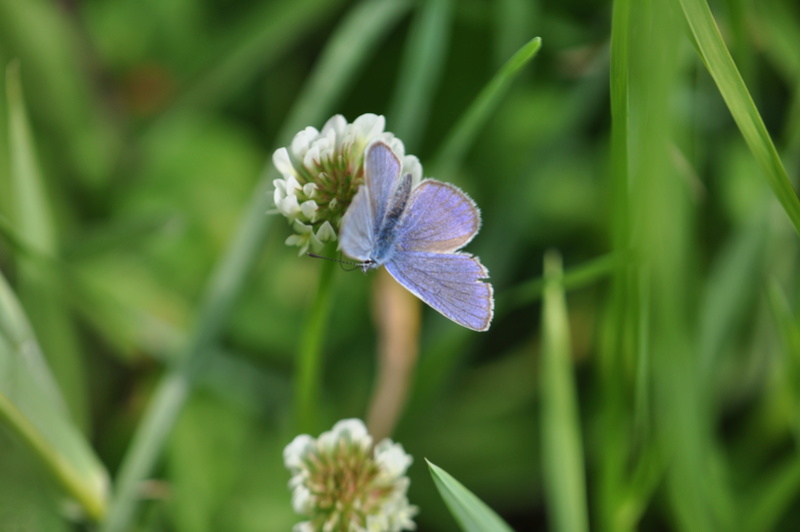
(309, 369)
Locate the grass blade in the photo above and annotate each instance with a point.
(773, 497)
(471, 513)
(270, 32)
(36, 226)
(662, 215)
(562, 449)
(463, 133)
(355, 39)
(420, 72)
(32, 407)
(720, 65)
(578, 277)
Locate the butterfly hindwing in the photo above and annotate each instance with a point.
(451, 283)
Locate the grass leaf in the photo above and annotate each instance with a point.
(32, 407)
(36, 226)
(720, 65)
(471, 513)
(420, 72)
(562, 448)
(464, 131)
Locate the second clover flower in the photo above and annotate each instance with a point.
(341, 482)
(322, 171)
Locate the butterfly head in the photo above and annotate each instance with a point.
(368, 265)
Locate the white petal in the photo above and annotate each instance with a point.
(302, 141)
(312, 157)
(309, 189)
(303, 526)
(292, 185)
(294, 453)
(351, 430)
(280, 190)
(377, 523)
(289, 207)
(302, 500)
(326, 233)
(411, 165)
(336, 124)
(368, 126)
(309, 209)
(397, 146)
(282, 162)
(296, 240)
(301, 228)
(392, 459)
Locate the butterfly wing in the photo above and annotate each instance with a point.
(357, 235)
(361, 223)
(449, 282)
(381, 175)
(439, 218)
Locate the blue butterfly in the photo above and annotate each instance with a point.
(416, 232)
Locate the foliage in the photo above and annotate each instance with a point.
(651, 144)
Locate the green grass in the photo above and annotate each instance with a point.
(160, 345)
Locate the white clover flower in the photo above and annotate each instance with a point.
(343, 483)
(322, 171)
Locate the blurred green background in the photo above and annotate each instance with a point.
(151, 129)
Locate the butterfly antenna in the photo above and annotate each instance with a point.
(355, 264)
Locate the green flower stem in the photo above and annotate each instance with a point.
(309, 369)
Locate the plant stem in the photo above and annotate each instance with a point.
(309, 369)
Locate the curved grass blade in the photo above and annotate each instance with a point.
(463, 133)
(562, 449)
(32, 407)
(720, 65)
(471, 513)
(34, 222)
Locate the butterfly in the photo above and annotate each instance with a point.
(415, 233)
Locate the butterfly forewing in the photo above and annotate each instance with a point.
(439, 218)
(450, 283)
(364, 217)
(381, 174)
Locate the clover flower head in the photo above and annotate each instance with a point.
(344, 483)
(321, 172)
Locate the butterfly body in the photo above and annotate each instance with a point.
(415, 232)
